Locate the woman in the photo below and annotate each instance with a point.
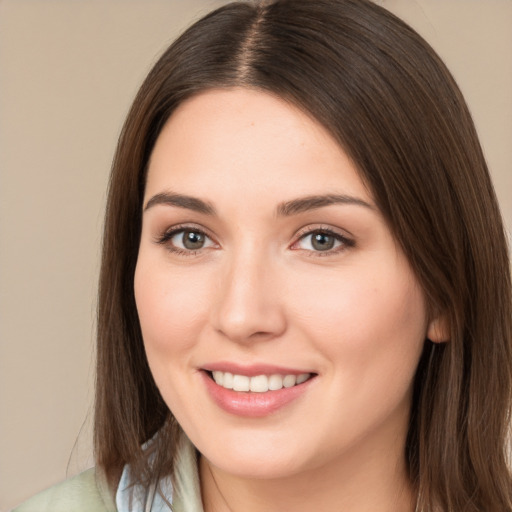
(305, 298)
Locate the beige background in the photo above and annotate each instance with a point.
(68, 71)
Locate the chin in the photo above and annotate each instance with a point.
(259, 468)
(257, 456)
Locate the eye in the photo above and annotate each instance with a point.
(323, 240)
(185, 240)
(191, 240)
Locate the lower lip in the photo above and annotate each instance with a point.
(250, 404)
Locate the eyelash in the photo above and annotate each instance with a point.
(345, 242)
(166, 237)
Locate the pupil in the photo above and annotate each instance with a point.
(322, 242)
(193, 240)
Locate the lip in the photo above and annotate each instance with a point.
(254, 405)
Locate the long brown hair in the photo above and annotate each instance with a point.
(384, 94)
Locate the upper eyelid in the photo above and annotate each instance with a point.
(347, 242)
(165, 235)
(311, 228)
(190, 227)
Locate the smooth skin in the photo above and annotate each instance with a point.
(229, 270)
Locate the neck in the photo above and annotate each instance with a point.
(366, 480)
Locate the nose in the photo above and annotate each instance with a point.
(249, 303)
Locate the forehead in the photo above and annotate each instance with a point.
(248, 140)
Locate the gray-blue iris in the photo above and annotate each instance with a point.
(322, 241)
(193, 240)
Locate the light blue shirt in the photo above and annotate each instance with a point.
(185, 495)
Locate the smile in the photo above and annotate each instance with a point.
(264, 391)
(258, 383)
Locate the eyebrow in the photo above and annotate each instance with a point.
(284, 209)
(307, 203)
(181, 201)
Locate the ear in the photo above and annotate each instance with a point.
(438, 330)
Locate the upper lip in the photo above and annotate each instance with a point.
(253, 369)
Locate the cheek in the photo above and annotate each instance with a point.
(170, 306)
(363, 318)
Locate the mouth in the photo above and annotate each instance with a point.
(261, 393)
(257, 383)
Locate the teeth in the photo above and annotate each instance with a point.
(289, 381)
(259, 383)
(241, 383)
(227, 381)
(275, 382)
(303, 377)
(218, 377)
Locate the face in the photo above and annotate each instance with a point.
(281, 321)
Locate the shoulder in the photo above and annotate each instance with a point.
(86, 492)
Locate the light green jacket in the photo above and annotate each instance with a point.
(89, 491)
(86, 492)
